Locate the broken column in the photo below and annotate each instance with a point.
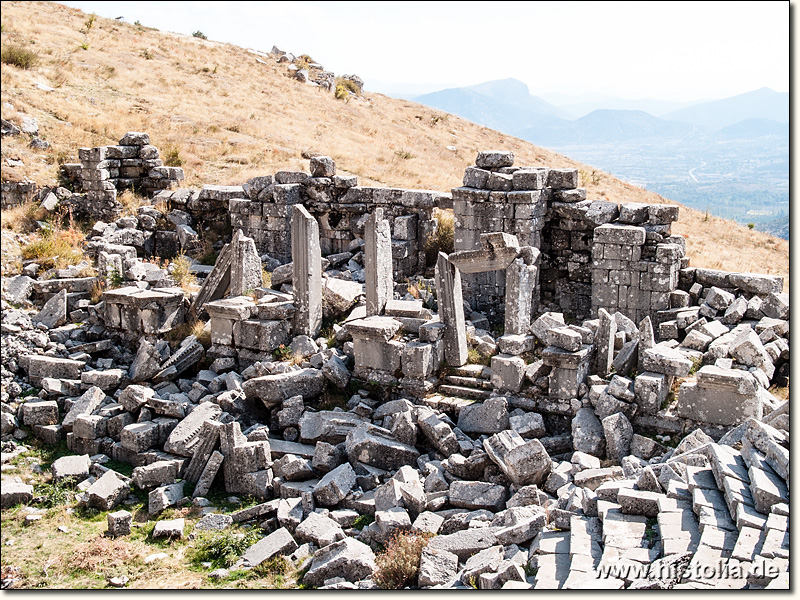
(245, 267)
(521, 281)
(377, 356)
(307, 273)
(451, 311)
(377, 262)
(570, 360)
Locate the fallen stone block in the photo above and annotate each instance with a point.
(74, 468)
(277, 543)
(163, 497)
(108, 491)
(349, 559)
(169, 528)
(477, 495)
(272, 389)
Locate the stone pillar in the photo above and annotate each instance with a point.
(377, 262)
(306, 273)
(451, 311)
(245, 266)
(604, 342)
(521, 278)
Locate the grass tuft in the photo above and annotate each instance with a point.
(398, 565)
(18, 56)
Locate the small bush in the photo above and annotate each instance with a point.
(476, 358)
(199, 34)
(751, 225)
(90, 22)
(18, 56)
(362, 521)
(52, 495)
(221, 548)
(282, 353)
(442, 239)
(348, 85)
(277, 565)
(115, 279)
(180, 271)
(146, 54)
(398, 565)
(172, 157)
(340, 93)
(404, 154)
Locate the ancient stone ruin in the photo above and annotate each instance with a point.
(561, 401)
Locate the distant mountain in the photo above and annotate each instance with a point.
(582, 105)
(505, 104)
(753, 128)
(762, 104)
(601, 126)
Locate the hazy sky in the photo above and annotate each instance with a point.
(665, 50)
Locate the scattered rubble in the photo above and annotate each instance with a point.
(621, 433)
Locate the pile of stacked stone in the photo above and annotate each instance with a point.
(635, 262)
(497, 196)
(132, 164)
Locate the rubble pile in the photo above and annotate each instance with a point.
(631, 449)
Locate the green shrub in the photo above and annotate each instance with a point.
(172, 157)
(52, 495)
(442, 239)
(398, 565)
(221, 548)
(362, 521)
(18, 56)
(199, 34)
(751, 225)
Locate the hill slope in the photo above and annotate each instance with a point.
(231, 114)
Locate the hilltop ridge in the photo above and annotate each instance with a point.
(228, 114)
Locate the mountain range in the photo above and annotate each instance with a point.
(726, 156)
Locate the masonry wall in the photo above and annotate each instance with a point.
(341, 208)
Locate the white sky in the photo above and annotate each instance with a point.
(666, 50)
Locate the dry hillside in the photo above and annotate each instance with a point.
(230, 114)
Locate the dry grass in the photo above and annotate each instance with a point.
(56, 247)
(22, 218)
(131, 201)
(398, 565)
(230, 117)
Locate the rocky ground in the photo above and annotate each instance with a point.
(666, 467)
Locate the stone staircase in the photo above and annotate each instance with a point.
(725, 521)
(470, 382)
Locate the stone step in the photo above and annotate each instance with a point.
(470, 382)
(464, 392)
(748, 544)
(481, 371)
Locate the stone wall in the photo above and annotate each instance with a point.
(132, 164)
(341, 208)
(594, 253)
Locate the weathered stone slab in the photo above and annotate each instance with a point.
(306, 277)
(451, 311)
